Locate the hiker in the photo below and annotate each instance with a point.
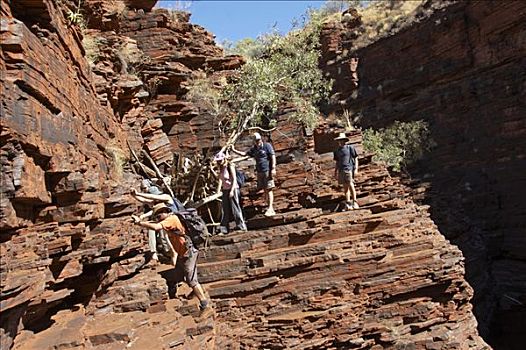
(186, 252)
(154, 196)
(265, 158)
(230, 200)
(346, 169)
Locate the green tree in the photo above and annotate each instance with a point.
(281, 68)
(400, 144)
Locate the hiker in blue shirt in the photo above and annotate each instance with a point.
(265, 158)
(346, 169)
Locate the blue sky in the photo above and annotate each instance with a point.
(234, 20)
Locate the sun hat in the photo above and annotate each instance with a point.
(341, 136)
(257, 136)
(159, 207)
(219, 156)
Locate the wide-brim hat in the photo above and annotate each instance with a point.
(341, 136)
(159, 208)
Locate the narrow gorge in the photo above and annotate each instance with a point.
(433, 259)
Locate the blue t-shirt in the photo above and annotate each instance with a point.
(344, 157)
(262, 155)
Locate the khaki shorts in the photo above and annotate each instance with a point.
(186, 268)
(345, 177)
(265, 181)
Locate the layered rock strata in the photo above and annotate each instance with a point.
(462, 71)
(75, 272)
(310, 278)
(69, 254)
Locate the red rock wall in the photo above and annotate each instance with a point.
(69, 253)
(462, 71)
(73, 268)
(179, 52)
(309, 278)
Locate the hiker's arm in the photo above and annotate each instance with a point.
(146, 215)
(239, 152)
(220, 185)
(155, 197)
(336, 169)
(273, 163)
(355, 166)
(144, 200)
(150, 225)
(134, 194)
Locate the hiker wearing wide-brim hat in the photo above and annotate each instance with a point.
(341, 137)
(346, 169)
(185, 253)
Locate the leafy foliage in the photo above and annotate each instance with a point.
(381, 17)
(203, 91)
(74, 16)
(91, 44)
(248, 47)
(280, 69)
(400, 144)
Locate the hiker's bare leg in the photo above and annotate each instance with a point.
(152, 244)
(270, 197)
(199, 292)
(353, 191)
(347, 192)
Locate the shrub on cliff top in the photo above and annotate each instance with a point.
(400, 144)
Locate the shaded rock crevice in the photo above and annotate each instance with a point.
(77, 273)
(460, 70)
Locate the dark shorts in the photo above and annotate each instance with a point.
(345, 177)
(265, 181)
(186, 268)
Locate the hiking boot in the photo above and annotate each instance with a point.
(205, 309)
(172, 291)
(355, 205)
(270, 212)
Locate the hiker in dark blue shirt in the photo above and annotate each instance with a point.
(265, 158)
(346, 169)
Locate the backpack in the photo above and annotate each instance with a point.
(195, 227)
(241, 178)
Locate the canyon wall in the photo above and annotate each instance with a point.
(75, 273)
(461, 69)
(70, 109)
